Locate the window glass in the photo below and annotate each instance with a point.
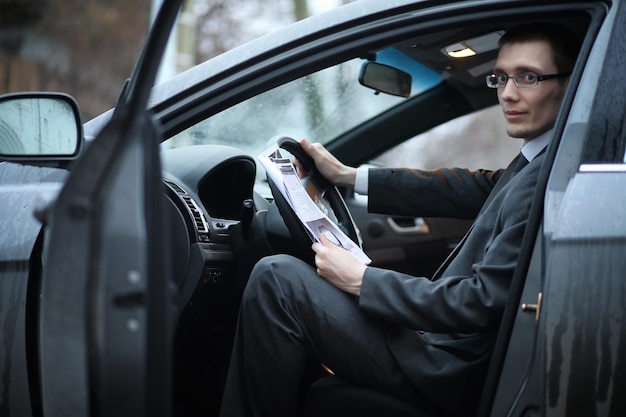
(319, 107)
(475, 141)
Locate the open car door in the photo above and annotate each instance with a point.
(105, 317)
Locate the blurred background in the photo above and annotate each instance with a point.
(87, 48)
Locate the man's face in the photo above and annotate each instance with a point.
(529, 112)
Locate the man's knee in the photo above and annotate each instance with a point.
(271, 273)
(272, 263)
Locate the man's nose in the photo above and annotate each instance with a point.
(510, 90)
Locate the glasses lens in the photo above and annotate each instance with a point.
(527, 79)
(492, 81)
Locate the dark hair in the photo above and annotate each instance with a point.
(563, 42)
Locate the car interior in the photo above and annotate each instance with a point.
(224, 216)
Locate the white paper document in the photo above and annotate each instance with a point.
(283, 173)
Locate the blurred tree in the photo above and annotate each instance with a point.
(16, 18)
(224, 24)
(85, 48)
(301, 9)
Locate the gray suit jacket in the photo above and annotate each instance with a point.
(445, 329)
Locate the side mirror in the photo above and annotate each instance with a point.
(385, 79)
(40, 128)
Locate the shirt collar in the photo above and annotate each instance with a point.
(531, 149)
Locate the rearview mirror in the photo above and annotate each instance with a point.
(385, 79)
(39, 127)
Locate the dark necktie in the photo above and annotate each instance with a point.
(520, 163)
(514, 167)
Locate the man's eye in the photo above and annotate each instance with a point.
(529, 77)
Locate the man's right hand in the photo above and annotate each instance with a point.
(329, 166)
(338, 266)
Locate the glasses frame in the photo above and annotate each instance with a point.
(517, 84)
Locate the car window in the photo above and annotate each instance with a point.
(319, 107)
(474, 141)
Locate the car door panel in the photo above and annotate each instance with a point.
(415, 246)
(569, 287)
(106, 302)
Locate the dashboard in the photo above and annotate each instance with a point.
(205, 188)
(214, 181)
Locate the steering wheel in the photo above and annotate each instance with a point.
(326, 195)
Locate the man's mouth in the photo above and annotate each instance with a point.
(513, 115)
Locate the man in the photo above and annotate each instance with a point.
(426, 341)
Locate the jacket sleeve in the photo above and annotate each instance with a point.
(472, 293)
(455, 192)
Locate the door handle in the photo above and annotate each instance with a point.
(533, 308)
(408, 225)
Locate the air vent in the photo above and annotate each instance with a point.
(197, 215)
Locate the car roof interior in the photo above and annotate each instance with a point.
(430, 49)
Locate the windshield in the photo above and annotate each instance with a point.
(320, 107)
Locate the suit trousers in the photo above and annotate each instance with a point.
(292, 315)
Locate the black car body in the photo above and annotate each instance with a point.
(121, 264)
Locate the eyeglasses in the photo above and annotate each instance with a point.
(523, 80)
